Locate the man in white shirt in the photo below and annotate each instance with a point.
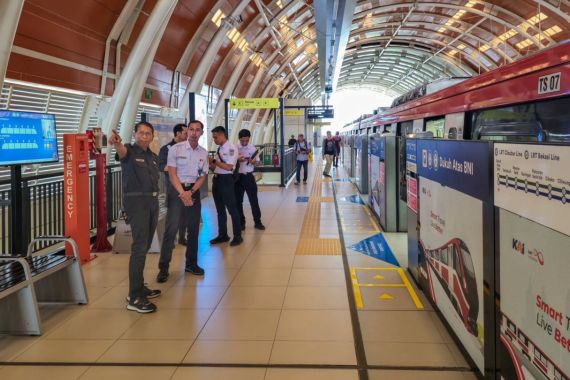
(302, 149)
(223, 187)
(247, 159)
(187, 169)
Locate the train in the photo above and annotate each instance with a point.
(523, 351)
(453, 266)
(527, 100)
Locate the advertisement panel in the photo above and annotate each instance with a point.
(374, 172)
(411, 175)
(535, 307)
(201, 109)
(162, 130)
(534, 181)
(453, 184)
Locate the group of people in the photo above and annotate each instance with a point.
(331, 152)
(185, 164)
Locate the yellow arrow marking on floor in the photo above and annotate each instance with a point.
(379, 277)
(386, 296)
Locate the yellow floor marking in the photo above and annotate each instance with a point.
(386, 296)
(379, 277)
(356, 287)
(405, 284)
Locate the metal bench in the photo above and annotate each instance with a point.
(28, 280)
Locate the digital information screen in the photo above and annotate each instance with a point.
(27, 138)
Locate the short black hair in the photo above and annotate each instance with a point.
(244, 133)
(145, 123)
(196, 122)
(220, 129)
(178, 128)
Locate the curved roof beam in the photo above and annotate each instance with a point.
(416, 26)
(388, 8)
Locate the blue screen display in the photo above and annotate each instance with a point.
(27, 138)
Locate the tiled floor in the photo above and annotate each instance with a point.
(271, 313)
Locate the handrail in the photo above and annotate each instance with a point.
(53, 238)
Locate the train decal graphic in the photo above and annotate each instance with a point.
(453, 266)
(523, 352)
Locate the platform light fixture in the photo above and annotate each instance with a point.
(217, 17)
(280, 4)
(539, 17)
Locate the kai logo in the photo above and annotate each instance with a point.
(518, 246)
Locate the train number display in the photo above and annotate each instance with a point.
(549, 83)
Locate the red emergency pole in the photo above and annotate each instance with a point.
(101, 243)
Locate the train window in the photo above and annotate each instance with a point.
(437, 127)
(558, 375)
(540, 121)
(540, 356)
(444, 256)
(405, 128)
(523, 338)
(467, 261)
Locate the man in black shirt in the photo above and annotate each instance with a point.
(328, 153)
(140, 200)
(292, 141)
(180, 134)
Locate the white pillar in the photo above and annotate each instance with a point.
(130, 110)
(134, 62)
(10, 11)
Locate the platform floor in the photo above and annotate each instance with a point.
(277, 307)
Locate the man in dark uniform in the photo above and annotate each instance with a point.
(246, 182)
(140, 200)
(223, 187)
(175, 207)
(187, 167)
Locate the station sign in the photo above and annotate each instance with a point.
(294, 112)
(254, 103)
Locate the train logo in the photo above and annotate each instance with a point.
(453, 266)
(524, 352)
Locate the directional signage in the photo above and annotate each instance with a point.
(294, 112)
(376, 246)
(253, 103)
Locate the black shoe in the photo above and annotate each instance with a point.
(162, 276)
(148, 293)
(141, 305)
(296, 182)
(236, 241)
(194, 269)
(151, 293)
(220, 239)
(182, 241)
(259, 226)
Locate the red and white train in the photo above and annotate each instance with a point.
(524, 351)
(453, 266)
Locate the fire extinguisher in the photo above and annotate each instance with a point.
(275, 159)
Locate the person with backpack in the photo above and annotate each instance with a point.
(329, 151)
(302, 150)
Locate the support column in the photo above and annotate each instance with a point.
(10, 12)
(135, 60)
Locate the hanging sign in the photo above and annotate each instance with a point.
(253, 103)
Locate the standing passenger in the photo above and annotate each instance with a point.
(223, 187)
(246, 182)
(302, 149)
(337, 146)
(328, 153)
(187, 169)
(140, 199)
(174, 205)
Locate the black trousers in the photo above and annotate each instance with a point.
(305, 166)
(176, 215)
(223, 189)
(246, 184)
(142, 215)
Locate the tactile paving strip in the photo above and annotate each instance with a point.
(309, 241)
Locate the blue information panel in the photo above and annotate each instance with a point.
(411, 155)
(374, 146)
(461, 165)
(27, 138)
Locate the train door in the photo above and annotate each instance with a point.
(454, 126)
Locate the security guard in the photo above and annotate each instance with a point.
(174, 207)
(187, 168)
(246, 182)
(140, 199)
(223, 187)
